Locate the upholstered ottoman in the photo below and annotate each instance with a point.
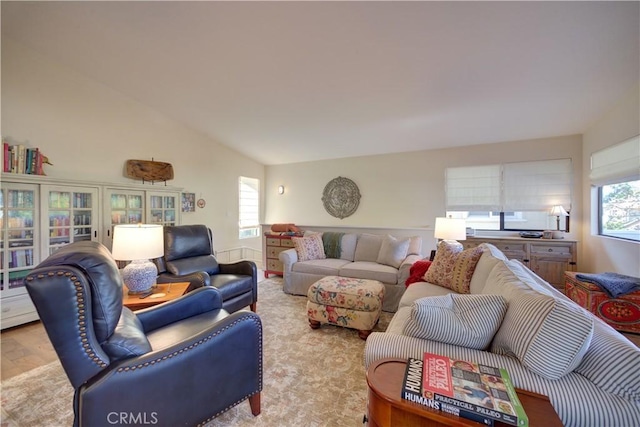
(344, 301)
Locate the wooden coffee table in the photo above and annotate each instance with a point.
(171, 291)
(386, 408)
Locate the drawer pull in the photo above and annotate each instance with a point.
(550, 250)
(506, 247)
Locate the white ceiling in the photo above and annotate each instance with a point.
(287, 82)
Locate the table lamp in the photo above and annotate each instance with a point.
(138, 243)
(558, 211)
(449, 229)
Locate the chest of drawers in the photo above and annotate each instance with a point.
(273, 245)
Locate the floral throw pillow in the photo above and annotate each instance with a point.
(441, 270)
(463, 268)
(309, 247)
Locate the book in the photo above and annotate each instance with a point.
(6, 157)
(412, 390)
(474, 387)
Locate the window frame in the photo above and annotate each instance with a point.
(251, 230)
(600, 213)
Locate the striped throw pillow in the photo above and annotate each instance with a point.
(549, 336)
(465, 320)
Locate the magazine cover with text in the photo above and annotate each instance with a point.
(412, 391)
(484, 390)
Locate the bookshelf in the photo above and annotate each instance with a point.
(40, 214)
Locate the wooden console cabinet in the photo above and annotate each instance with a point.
(548, 258)
(274, 244)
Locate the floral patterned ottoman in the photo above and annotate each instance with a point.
(344, 301)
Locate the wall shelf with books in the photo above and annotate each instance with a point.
(21, 159)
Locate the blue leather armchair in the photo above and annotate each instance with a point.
(188, 257)
(183, 362)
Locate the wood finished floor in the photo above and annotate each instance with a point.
(26, 347)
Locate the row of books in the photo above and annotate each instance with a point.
(470, 390)
(20, 159)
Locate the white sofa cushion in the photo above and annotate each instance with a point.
(415, 246)
(393, 251)
(370, 270)
(327, 266)
(348, 246)
(489, 258)
(548, 335)
(368, 247)
(466, 320)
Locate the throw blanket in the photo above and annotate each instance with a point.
(613, 284)
(417, 271)
(332, 243)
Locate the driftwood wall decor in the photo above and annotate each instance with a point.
(341, 197)
(149, 170)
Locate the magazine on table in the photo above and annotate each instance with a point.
(412, 391)
(472, 387)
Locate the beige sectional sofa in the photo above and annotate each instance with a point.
(363, 256)
(549, 344)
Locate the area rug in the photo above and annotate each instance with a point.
(311, 377)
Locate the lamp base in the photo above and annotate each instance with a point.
(139, 276)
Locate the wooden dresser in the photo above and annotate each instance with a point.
(273, 245)
(548, 258)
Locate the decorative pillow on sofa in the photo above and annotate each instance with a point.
(393, 251)
(453, 267)
(549, 336)
(368, 247)
(465, 320)
(309, 247)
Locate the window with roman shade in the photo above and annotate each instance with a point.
(509, 196)
(249, 209)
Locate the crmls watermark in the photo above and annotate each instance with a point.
(132, 418)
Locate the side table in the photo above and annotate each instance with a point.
(171, 291)
(386, 408)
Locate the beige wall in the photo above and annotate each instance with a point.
(89, 131)
(403, 190)
(599, 253)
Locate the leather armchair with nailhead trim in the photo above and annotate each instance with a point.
(188, 257)
(183, 362)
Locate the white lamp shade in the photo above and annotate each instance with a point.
(558, 210)
(450, 229)
(137, 241)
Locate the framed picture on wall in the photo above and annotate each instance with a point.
(188, 202)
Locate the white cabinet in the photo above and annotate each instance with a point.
(18, 250)
(129, 206)
(69, 214)
(39, 214)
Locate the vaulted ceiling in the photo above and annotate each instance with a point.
(288, 82)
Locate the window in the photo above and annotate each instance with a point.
(511, 196)
(249, 218)
(615, 174)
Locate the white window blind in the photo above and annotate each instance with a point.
(618, 163)
(535, 186)
(249, 195)
(474, 188)
(510, 187)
